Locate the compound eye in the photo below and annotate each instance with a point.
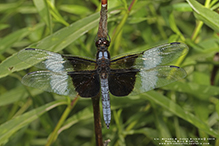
(98, 42)
(106, 43)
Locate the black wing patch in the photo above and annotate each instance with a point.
(122, 81)
(80, 64)
(86, 83)
(124, 62)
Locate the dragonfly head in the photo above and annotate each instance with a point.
(102, 42)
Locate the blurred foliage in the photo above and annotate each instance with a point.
(186, 109)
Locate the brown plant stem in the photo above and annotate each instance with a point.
(97, 120)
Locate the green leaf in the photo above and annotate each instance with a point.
(161, 126)
(16, 94)
(81, 115)
(8, 6)
(173, 38)
(3, 26)
(134, 20)
(13, 125)
(43, 10)
(206, 15)
(124, 2)
(182, 7)
(75, 9)
(26, 9)
(16, 36)
(55, 42)
(55, 13)
(217, 107)
(200, 91)
(200, 113)
(62, 38)
(174, 27)
(152, 133)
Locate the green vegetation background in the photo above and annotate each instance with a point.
(186, 109)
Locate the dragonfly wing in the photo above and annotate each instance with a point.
(125, 81)
(86, 83)
(151, 58)
(53, 61)
(124, 62)
(122, 81)
(50, 81)
(160, 55)
(61, 83)
(159, 76)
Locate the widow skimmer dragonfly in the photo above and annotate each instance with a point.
(130, 74)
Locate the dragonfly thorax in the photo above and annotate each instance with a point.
(103, 63)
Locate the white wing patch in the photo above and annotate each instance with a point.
(53, 64)
(59, 85)
(148, 80)
(151, 58)
(50, 81)
(157, 77)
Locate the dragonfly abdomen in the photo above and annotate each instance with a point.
(106, 101)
